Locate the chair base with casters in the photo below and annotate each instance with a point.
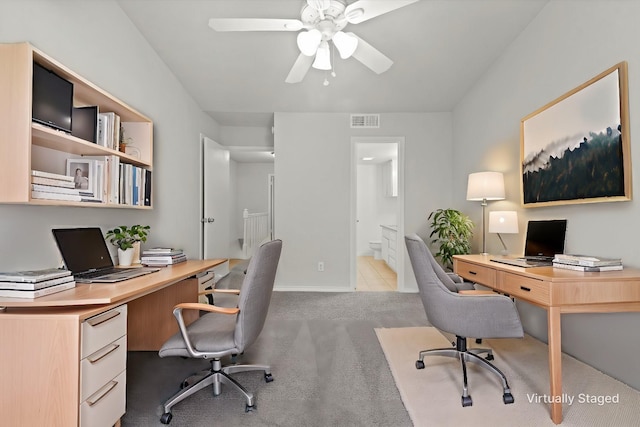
(465, 355)
(215, 377)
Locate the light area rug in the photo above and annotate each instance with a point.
(432, 395)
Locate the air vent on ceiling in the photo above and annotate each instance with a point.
(365, 121)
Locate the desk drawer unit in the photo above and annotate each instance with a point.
(103, 368)
(476, 273)
(524, 288)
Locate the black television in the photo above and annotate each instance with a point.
(52, 99)
(85, 123)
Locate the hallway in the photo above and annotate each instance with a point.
(374, 275)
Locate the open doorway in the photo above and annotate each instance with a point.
(377, 211)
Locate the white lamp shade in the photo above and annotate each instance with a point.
(346, 43)
(308, 41)
(323, 57)
(505, 222)
(485, 186)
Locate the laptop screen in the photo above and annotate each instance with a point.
(82, 249)
(545, 238)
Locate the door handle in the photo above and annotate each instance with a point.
(207, 219)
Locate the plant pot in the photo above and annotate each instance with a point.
(125, 257)
(136, 253)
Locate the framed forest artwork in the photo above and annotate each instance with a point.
(576, 149)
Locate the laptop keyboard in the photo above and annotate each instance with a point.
(100, 273)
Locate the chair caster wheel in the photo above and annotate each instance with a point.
(489, 357)
(419, 364)
(507, 398)
(249, 408)
(478, 340)
(166, 418)
(466, 401)
(184, 384)
(268, 378)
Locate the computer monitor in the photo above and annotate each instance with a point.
(545, 237)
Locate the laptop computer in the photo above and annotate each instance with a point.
(545, 239)
(85, 254)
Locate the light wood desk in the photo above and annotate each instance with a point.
(43, 340)
(559, 292)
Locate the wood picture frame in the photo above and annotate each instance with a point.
(576, 149)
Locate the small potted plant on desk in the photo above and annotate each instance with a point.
(127, 240)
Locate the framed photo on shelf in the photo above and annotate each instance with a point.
(82, 171)
(576, 149)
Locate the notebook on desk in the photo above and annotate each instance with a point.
(544, 239)
(85, 254)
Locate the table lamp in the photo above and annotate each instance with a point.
(484, 186)
(505, 222)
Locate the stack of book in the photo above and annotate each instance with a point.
(35, 283)
(53, 186)
(162, 256)
(586, 263)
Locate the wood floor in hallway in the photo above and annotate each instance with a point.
(375, 275)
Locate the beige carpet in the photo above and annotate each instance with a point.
(432, 395)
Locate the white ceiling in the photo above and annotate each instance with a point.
(440, 48)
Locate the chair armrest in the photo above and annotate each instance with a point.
(206, 307)
(220, 291)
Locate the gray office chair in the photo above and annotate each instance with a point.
(225, 331)
(483, 315)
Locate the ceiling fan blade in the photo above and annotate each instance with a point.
(371, 57)
(299, 69)
(255, 24)
(363, 10)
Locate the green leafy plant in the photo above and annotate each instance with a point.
(452, 230)
(124, 237)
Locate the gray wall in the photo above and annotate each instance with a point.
(313, 173)
(568, 43)
(98, 41)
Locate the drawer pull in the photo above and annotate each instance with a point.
(95, 321)
(473, 273)
(524, 288)
(113, 348)
(108, 387)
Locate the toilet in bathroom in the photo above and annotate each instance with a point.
(376, 247)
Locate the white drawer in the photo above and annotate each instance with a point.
(105, 406)
(392, 251)
(98, 368)
(100, 330)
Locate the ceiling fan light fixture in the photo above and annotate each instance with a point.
(354, 14)
(323, 57)
(319, 4)
(308, 41)
(346, 43)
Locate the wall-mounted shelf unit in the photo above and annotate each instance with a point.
(26, 145)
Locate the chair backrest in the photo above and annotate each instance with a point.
(255, 294)
(431, 287)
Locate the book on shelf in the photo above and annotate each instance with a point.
(586, 260)
(60, 196)
(587, 268)
(29, 286)
(12, 293)
(33, 276)
(51, 175)
(52, 182)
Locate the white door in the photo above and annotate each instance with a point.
(215, 200)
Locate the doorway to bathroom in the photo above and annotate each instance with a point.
(377, 212)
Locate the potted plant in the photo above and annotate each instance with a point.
(127, 239)
(452, 230)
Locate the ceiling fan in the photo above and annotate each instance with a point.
(321, 22)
